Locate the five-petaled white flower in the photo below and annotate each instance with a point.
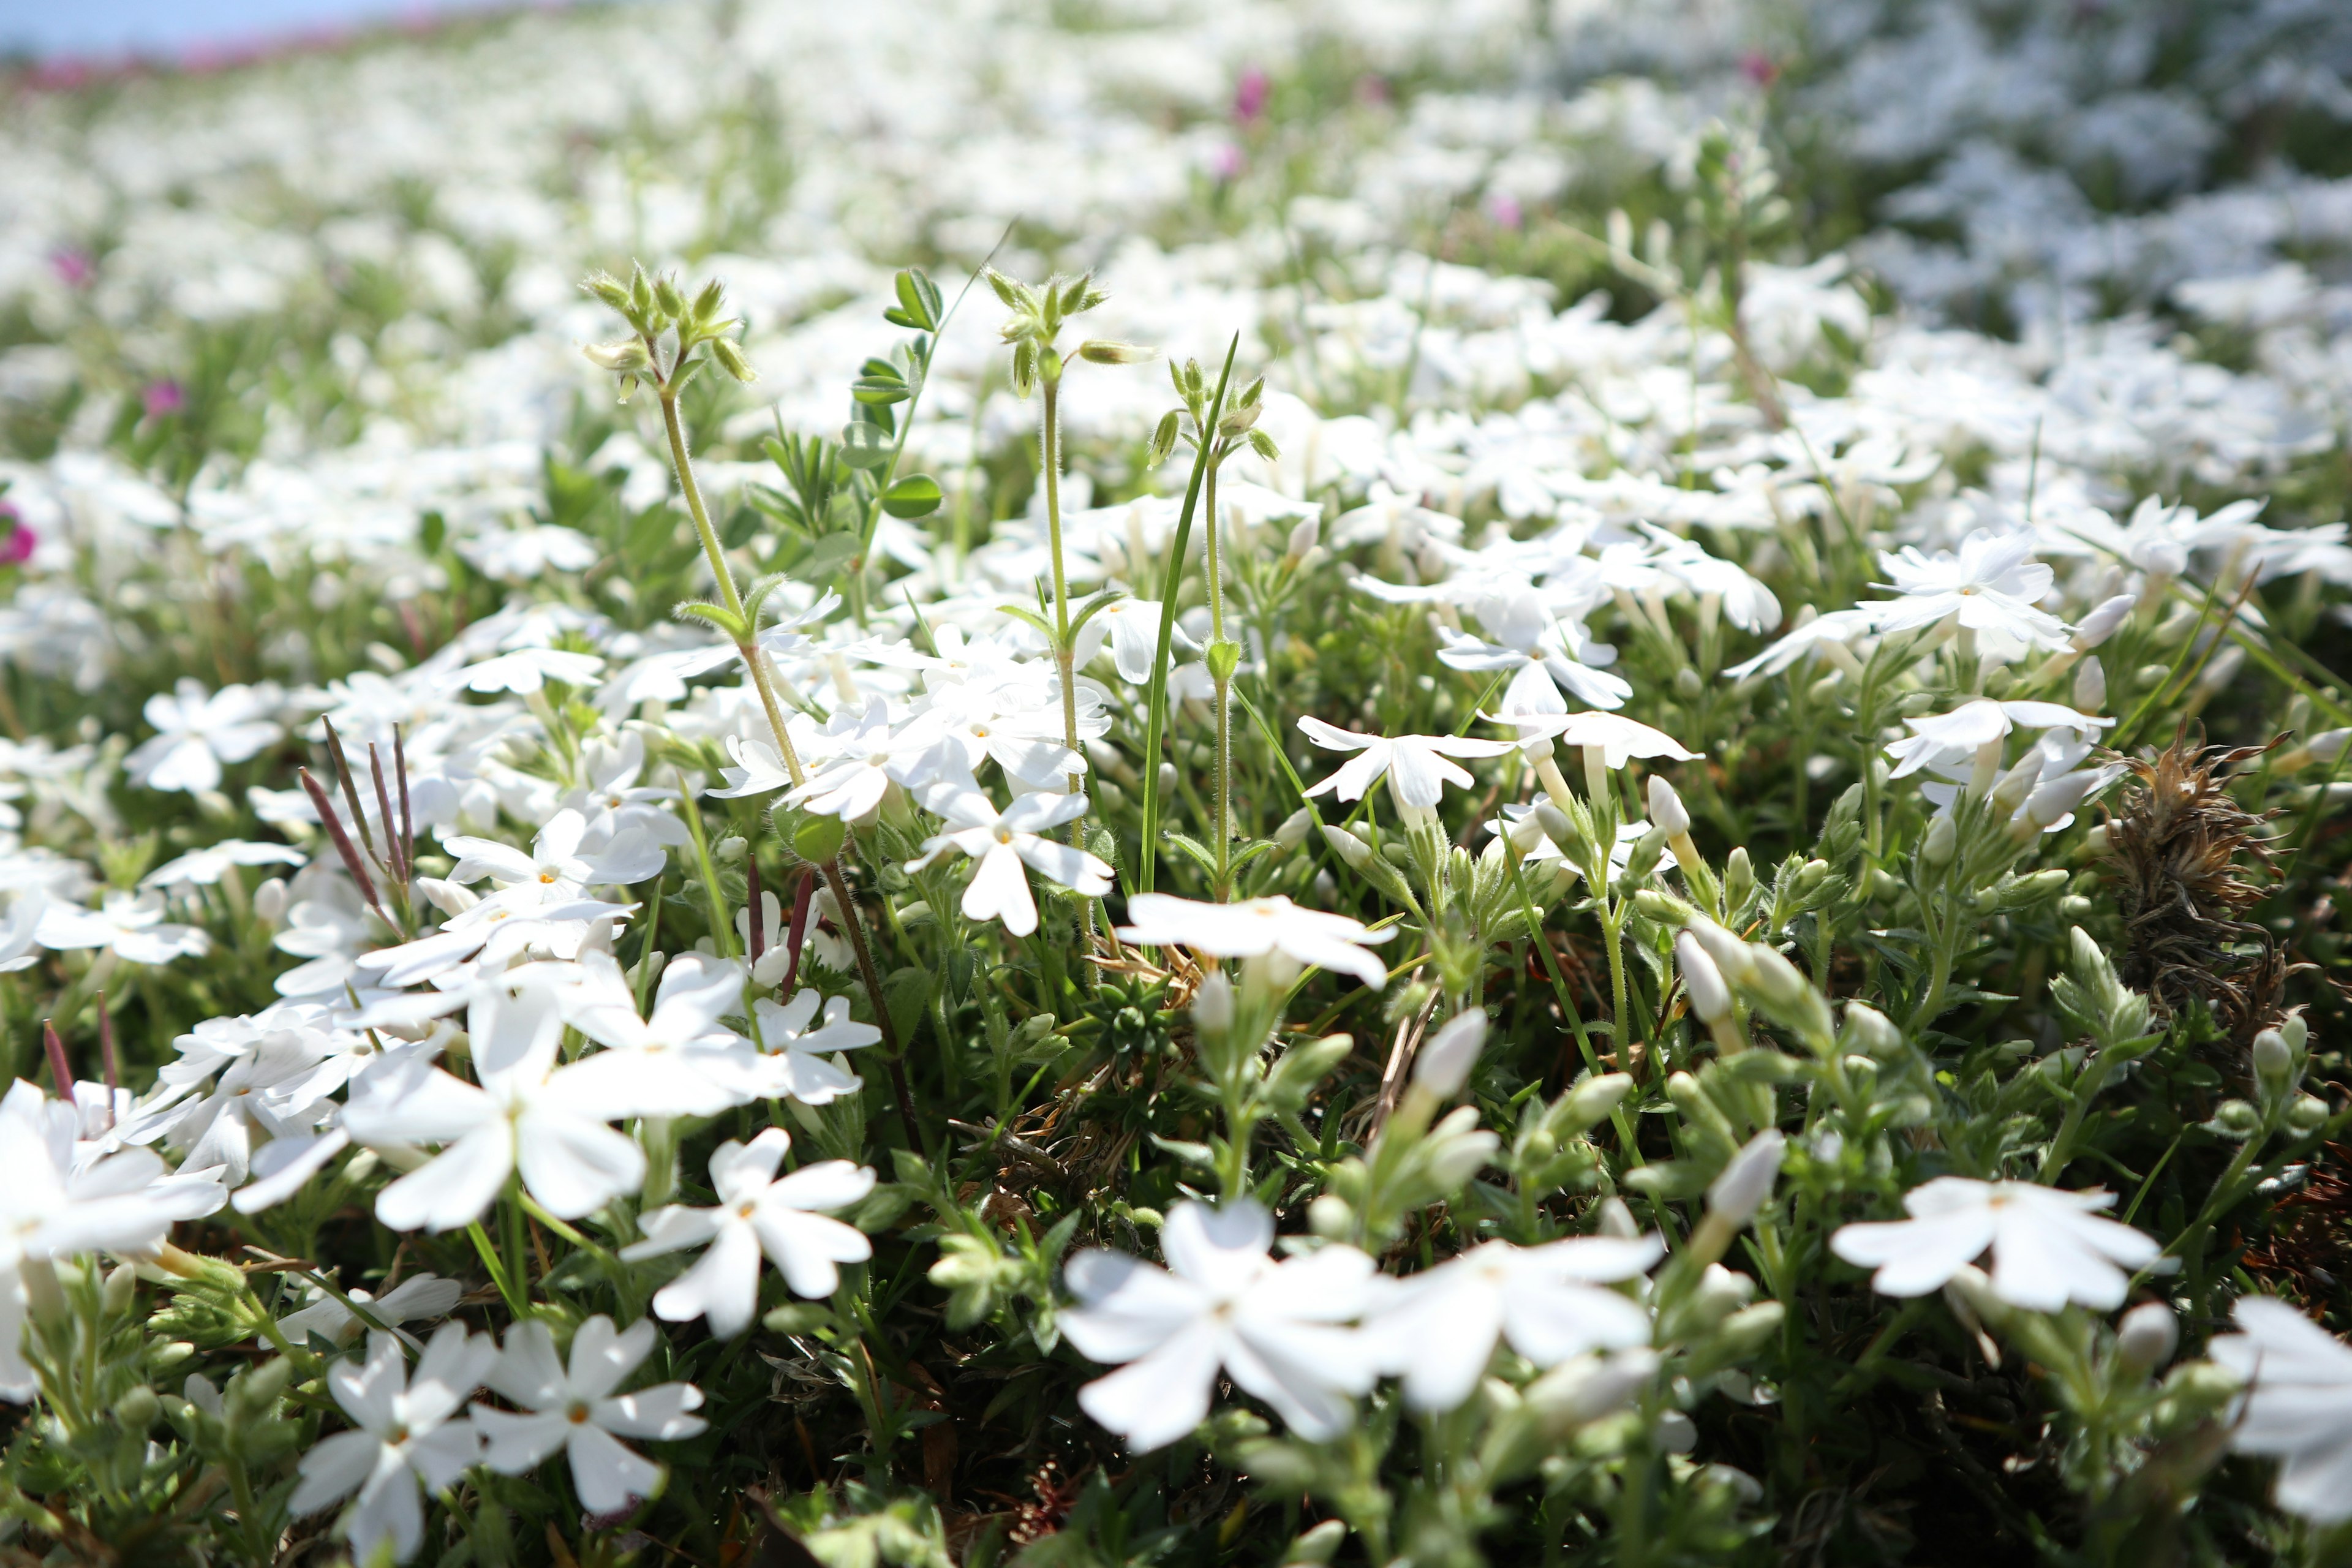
(793, 1034)
(757, 1212)
(2049, 1247)
(1416, 766)
(196, 733)
(528, 1113)
(1991, 585)
(402, 1435)
(1252, 927)
(1000, 841)
(1222, 1303)
(2297, 1405)
(576, 1410)
(1439, 1327)
(557, 862)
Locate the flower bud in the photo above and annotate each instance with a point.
(1445, 1063)
(2091, 685)
(137, 1409)
(2306, 1115)
(1293, 831)
(1330, 1217)
(2053, 802)
(1526, 835)
(1873, 1030)
(2236, 1118)
(1594, 1098)
(1739, 881)
(1666, 808)
(622, 356)
(1304, 538)
(121, 1289)
(1347, 847)
(2328, 745)
(1776, 980)
(1615, 1218)
(730, 356)
(2148, 1336)
(1556, 824)
(1720, 1293)
(2008, 791)
(269, 901)
(1213, 1004)
(1750, 1328)
(1587, 1388)
(2274, 1061)
(1316, 1546)
(1733, 958)
(1100, 350)
(1943, 840)
(1710, 999)
(2101, 622)
(730, 849)
(1747, 1181)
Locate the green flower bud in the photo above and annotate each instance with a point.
(136, 1411)
(1943, 840)
(818, 840)
(1100, 350)
(730, 359)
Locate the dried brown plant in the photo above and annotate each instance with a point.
(2186, 862)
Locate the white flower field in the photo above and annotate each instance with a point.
(1072, 783)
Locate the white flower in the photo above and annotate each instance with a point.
(131, 924)
(999, 842)
(195, 733)
(682, 1061)
(1416, 766)
(526, 1114)
(403, 1435)
(577, 1411)
(759, 770)
(2297, 1405)
(207, 866)
(1255, 926)
(1991, 586)
(1615, 737)
(863, 748)
(418, 1296)
(1221, 1303)
(1439, 1329)
(793, 1034)
(529, 669)
(556, 862)
(2049, 1247)
(757, 1212)
(55, 1202)
(1939, 737)
(1133, 628)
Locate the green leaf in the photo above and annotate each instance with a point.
(864, 446)
(908, 991)
(825, 561)
(914, 308)
(1200, 852)
(874, 389)
(917, 495)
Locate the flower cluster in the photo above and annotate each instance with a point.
(1313, 851)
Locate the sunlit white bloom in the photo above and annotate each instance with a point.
(680, 1061)
(527, 670)
(1415, 766)
(575, 1409)
(403, 1435)
(759, 770)
(795, 1033)
(528, 1113)
(1966, 730)
(1131, 626)
(557, 860)
(131, 924)
(420, 1296)
(1222, 1304)
(2297, 1405)
(1002, 842)
(1616, 738)
(205, 867)
(2049, 1247)
(757, 1212)
(1991, 585)
(1250, 928)
(54, 1204)
(1830, 635)
(196, 731)
(1439, 1327)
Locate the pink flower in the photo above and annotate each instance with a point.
(1758, 67)
(17, 547)
(163, 398)
(1228, 162)
(1249, 96)
(73, 267)
(1505, 210)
